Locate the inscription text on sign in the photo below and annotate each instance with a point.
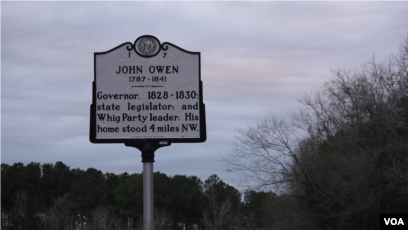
(147, 91)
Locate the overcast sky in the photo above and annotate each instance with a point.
(256, 57)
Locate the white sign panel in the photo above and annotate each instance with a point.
(147, 91)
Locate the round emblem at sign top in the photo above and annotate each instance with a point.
(147, 45)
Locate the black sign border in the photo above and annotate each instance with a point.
(157, 141)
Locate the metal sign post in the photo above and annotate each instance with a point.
(147, 150)
(147, 95)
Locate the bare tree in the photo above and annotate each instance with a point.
(216, 218)
(57, 216)
(162, 219)
(343, 153)
(47, 222)
(103, 218)
(262, 153)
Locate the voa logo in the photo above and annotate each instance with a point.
(393, 221)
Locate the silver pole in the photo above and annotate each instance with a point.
(148, 150)
(148, 208)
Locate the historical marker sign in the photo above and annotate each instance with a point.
(147, 91)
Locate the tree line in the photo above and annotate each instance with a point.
(54, 196)
(341, 157)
